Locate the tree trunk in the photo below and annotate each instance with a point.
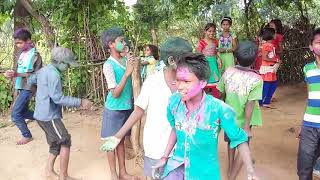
(154, 37)
(21, 19)
(46, 26)
(136, 83)
(247, 4)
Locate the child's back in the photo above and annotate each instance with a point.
(241, 85)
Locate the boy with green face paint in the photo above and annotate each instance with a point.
(48, 109)
(118, 105)
(153, 100)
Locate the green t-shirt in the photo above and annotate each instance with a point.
(241, 86)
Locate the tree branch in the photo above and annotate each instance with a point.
(46, 26)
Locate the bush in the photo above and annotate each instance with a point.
(5, 94)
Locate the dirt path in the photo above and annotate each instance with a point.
(274, 145)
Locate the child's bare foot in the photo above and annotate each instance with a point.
(128, 177)
(114, 177)
(69, 178)
(268, 106)
(51, 175)
(24, 140)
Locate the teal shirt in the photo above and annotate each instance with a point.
(25, 64)
(197, 136)
(125, 100)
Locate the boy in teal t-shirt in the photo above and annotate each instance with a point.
(241, 88)
(118, 106)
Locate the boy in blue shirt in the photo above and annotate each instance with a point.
(48, 109)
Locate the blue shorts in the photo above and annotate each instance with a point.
(113, 120)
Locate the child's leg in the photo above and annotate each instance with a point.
(18, 115)
(272, 89)
(308, 152)
(265, 91)
(50, 166)
(112, 164)
(123, 175)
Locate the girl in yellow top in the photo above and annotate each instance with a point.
(149, 62)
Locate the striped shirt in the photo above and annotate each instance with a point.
(312, 77)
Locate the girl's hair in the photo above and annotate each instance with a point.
(227, 18)
(264, 25)
(154, 50)
(314, 33)
(196, 63)
(209, 25)
(22, 34)
(278, 24)
(268, 34)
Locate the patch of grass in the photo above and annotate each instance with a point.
(3, 125)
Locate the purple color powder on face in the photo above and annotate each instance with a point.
(196, 89)
(182, 73)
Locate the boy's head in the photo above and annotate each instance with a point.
(192, 74)
(268, 34)
(63, 58)
(315, 42)
(113, 39)
(172, 48)
(21, 37)
(246, 53)
(226, 23)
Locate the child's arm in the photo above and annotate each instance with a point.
(56, 94)
(238, 138)
(246, 157)
(116, 92)
(248, 114)
(133, 118)
(234, 44)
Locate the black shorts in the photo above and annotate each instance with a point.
(57, 135)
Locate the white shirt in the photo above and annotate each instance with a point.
(154, 98)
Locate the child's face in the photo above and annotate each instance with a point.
(147, 51)
(20, 43)
(210, 33)
(315, 46)
(119, 45)
(189, 86)
(225, 26)
(273, 26)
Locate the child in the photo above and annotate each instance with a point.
(49, 102)
(29, 62)
(269, 66)
(276, 24)
(118, 106)
(309, 145)
(227, 44)
(149, 62)
(153, 100)
(208, 47)
(259, 42)
(241, 88)
(196, 120)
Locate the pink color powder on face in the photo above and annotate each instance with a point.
(182, 73)
(196, 89)
(316, 51)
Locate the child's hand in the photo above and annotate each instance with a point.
(219, 63)
(130, 66)
(222, 50)
(85, 104)
(156, 168)
(252, 175)
(248, 131)
(9, 74)
(110, 144)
